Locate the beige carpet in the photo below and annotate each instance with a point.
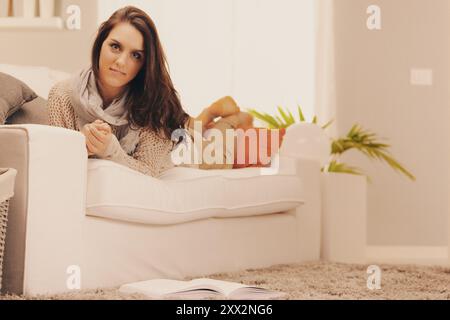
(320, 281)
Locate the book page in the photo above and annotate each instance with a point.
(225, 287)
(252, 293)
(161, 287)
(234, 290)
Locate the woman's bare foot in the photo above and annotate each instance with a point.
(245, 120)
(224, 107)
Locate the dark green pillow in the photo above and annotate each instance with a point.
(13, 94)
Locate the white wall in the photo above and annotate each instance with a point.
(66, 50)
(373, 88)
(259, 51)
(274, 54)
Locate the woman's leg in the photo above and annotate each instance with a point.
(231, 119)
(223, 107)
(241, 120)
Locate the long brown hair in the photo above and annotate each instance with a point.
(153, 101)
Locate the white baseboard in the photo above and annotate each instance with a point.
(420, 255)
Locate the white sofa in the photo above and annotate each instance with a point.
(113, 225)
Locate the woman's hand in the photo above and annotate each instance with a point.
(98, 136)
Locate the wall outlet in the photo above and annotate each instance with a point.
(422, 77)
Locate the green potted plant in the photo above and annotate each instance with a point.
(344, 187)
(357, 139)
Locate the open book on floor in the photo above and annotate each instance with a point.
(198, 289)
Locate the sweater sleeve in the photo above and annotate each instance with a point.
(60, 111)
(151, 157)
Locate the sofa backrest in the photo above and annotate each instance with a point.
(40, 79)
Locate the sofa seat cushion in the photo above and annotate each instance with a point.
(186, 194)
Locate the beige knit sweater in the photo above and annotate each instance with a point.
(152, 154)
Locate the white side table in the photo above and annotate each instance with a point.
(344, 211)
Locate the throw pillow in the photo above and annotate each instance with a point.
(13, 94)
(34, 112)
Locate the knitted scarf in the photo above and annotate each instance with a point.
(88, 106)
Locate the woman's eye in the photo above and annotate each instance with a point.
(114, 46)
(137, 56)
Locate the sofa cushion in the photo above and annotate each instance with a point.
(13, 94)
(186, 194)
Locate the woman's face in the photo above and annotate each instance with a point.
(121, 56)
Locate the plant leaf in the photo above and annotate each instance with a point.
(284, 115)
(329, 123)
(291, 117)
(300, 114)
(366, 143)
(266, 118)
(335, 166)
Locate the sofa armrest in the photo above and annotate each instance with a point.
(47, 211)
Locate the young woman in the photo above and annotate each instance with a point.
(125, 103)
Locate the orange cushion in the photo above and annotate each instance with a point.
(260, 154)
